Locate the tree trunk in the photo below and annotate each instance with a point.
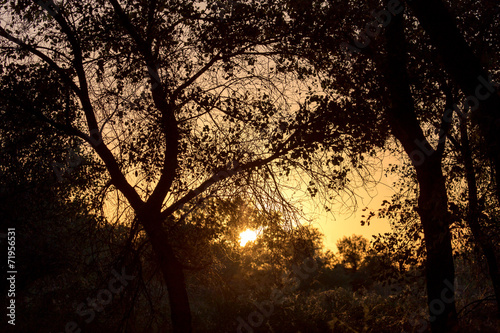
(433, 198)
(172, 271)
(464, 66)
(473, 214)
(440, 271)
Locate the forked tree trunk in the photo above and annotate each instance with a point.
(433, 198)
(466, 69)
(172, 271)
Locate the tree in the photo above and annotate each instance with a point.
(383, 79)
(172, 102)
(352, 251)
(482, 97)
(450, 42)
(433, 199)
(467, 71)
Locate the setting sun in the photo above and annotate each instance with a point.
(247, 236)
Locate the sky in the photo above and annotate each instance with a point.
(338, 224)
(344, 221)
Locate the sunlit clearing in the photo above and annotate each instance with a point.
(247, 236)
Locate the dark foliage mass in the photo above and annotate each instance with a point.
(141, 139)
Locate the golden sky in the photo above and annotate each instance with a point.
(345, 221)
(336, 225)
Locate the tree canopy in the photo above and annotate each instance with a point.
(177, 124)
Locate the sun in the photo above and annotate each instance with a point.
(247, 236)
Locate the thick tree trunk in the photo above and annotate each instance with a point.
(433, 199)
(473, 214)
(172, 271)
(464, 66)
(440, 271)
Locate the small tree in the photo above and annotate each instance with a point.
(352, 251)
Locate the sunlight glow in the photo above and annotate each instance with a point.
(247, 236)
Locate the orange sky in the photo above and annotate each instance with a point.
(343, 221)
(336, 225)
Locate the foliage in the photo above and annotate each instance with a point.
(208, 111)
(352, 251)
(65, 248)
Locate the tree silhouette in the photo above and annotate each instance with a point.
(352, 251)
(187, 105)
(377, 62)
(176, 106)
